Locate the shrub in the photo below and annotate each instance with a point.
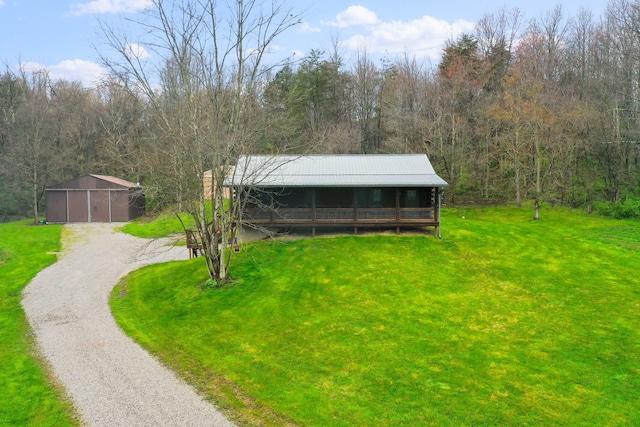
(628, 208)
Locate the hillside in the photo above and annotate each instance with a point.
(504, 321)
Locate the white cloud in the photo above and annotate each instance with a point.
(133, 50)
(304, 27)
(1, 2)
(275, 48)
(423, 37)
(109, 6)
(86, 72)
(354, 15)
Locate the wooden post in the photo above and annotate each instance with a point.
(314, 214)
(355, 206)
(271, 207)
(313, 206)
(437, 212)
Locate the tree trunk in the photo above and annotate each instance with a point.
(516, 165)
(35, 195)
(518, 196)
(536, 214)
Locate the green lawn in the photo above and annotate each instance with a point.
(27, 397)
(504, 321)
(160, 226)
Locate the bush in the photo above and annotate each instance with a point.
(628, 208)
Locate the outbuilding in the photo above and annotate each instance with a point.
(355, 191)
(94, 198)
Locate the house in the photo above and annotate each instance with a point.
(355, 191)
(94, 198)
(207, 183)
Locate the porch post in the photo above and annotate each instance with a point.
(355, 210)
(355, 204)
(313, 205)
(397, 209)
(271, 206)
(313, 211)
(438, 233)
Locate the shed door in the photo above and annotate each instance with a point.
(99, 206)
(119, 206)
(56, 206)
(78, 208)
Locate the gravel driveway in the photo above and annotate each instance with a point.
(112, 380)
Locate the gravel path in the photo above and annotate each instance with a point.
(112, 380)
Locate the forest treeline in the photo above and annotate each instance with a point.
(520, 109)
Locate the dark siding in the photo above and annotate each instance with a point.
(92, 183)
(88, 182)
(99, 206)
(78, 206)
(108, 200)
(65, 185)
(85, 183)
(120, 206)
(56, 206)
(136, 205)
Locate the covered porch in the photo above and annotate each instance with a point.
(353, 207)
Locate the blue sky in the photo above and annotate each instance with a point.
(63, 36)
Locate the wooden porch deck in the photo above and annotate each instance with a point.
(342, 217)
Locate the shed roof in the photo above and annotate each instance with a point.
(93, 181)
(115, 180)
(361, 170)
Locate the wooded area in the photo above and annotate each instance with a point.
(544, 109)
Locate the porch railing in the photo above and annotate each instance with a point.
(306, 215)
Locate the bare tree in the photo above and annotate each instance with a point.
(31, 153)
(501, 28)
(461, 76)
(124, 130)
(11, 96)
(497, 34)
(619, 45)
(366, 92)
(202, 80)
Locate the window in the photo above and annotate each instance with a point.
(411, 199)
(376, 198)
(334, 198)
(294, 198)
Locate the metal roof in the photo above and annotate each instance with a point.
(94, 182)
(362, 170)
(115, 180)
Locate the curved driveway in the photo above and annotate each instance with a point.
(111, 380)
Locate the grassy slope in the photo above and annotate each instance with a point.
(26, 396)
(161, 226)
(505, 321)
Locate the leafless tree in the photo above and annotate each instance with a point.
(366, 95)
(31, 154)
(124, 130)
(202, 80)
